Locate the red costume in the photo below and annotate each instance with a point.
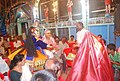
(108, 2)
(70, 9)
(92, 62)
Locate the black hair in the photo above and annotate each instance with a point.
(111, 46)
(17, 58)
(44, 75)
(29, 45)
(100, 35)
(81, 24)
(56, 37)
(72, 36)
(104, 41)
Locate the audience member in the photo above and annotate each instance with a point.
(17, 43)
(115, 60)
(16, 67)
(44, 75)
(72, 39)
(6, 44)
(47, 38)
(63, 44)
(56, 66)
(2, 50)
(100, 36)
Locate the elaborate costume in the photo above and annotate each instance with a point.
(91, 62)
(47, 38)
(31, 51)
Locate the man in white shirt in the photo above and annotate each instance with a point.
(17, 43)
(63, 45)
(81, 32)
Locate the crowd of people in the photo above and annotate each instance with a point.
(91, 58)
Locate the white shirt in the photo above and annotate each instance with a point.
(63, 46)
(80, 35)
(17, 44)
(3, 66)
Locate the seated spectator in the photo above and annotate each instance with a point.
(115, 60)
(63, 45)
(2, 50)
(104, 41)
(71, 41)
(56, 66)
(44, 75)
(6, 44)
(56, 47)
(16, 67)
(99, 37)
(17, 43)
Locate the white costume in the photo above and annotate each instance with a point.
(80, 35)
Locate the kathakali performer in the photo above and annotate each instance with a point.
(32, 48)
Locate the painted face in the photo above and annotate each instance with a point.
(35, 32)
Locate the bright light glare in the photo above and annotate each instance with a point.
(85, 11)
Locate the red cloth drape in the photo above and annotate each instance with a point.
(92, 62)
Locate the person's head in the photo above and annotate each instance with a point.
(104, 41)
(18, 60)
(79, 26)
(44, 75)
(47, 33)
(72, 37)
(56, 39)
(34, 31)
(54, 65)
(64, 39)
(15, 38)
(111, 48)
(100, 36)
(5, 38)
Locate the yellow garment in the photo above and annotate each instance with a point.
(38, 62)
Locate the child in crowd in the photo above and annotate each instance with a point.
(115, 60)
